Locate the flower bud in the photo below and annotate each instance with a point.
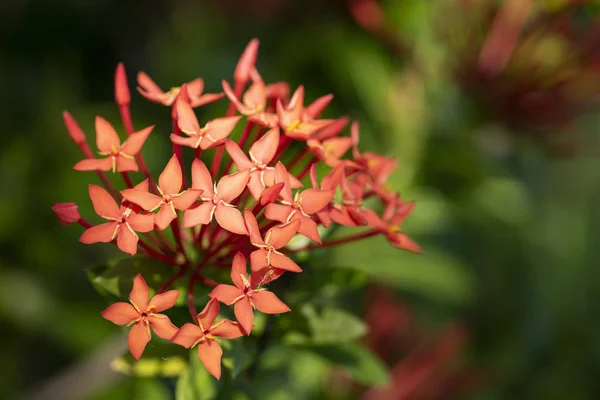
(74, 130)
(67, 213)
(245, 65)
(122, 95)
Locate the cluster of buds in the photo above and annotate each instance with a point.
(248, 203)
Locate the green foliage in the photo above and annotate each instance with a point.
(332, 325)
(434, 275)
(117, 278)
(160, 359)
(195, 383)
(355, 359)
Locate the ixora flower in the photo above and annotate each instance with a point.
(123, 225)
(117, 157)
(247, 294)
(205, 334)
(143, 314)
(155, 94)
(170, 199)
(216, 199)
(238, 203)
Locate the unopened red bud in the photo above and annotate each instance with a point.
(122, 94)
(74, 130)
(269, 195)
(246, 63)
(67, 213)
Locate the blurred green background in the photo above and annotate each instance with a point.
(501, 157)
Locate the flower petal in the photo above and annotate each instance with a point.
(210, 354)
(143, 222)
(120, 313)
(217, 130)
(139, 336)
(227, 329)
(258, 260)
(127, 241)
(238, 269)
(104, 204)
(162, 326)
(191, 141)
(201, 178)
(402, 241)
(139, 293)
(142, 198)
(106, 136)
(244, 315)
(186, 118)
(268, 303)
(308, 228)
(207, 316)
(147, 83)
(195, 87)
(237, 155)
(99, 233)
(94, 164)
(314, 109)
(264, 149)
(231, 186)
(255, 185)
(206, 98)
(232, 98)
(252, 227)
(186, 198)
(200, 214)
(281, 175)
(283, 262)
(225, 293)
(281, 235)
(278, 212)
(230, 219)
(171, 179)
(256, 95)
(126, 164)
(164, 217)
(315, 200)
(135, 141)
(187, 335)
(163, 301)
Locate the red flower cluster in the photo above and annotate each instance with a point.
(254, 197)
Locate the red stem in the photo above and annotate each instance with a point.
(173, 279)
(337, 242)
(177, 148)
(127, 179)
(177, 236)
(306, 169)
(153, 253)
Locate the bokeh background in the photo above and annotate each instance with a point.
(491, 108)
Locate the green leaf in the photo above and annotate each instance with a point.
(364, 366)
(333, 325)
(238, 355)
(196, 383)
(117, 278)
(434, 274)
(161, 358)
